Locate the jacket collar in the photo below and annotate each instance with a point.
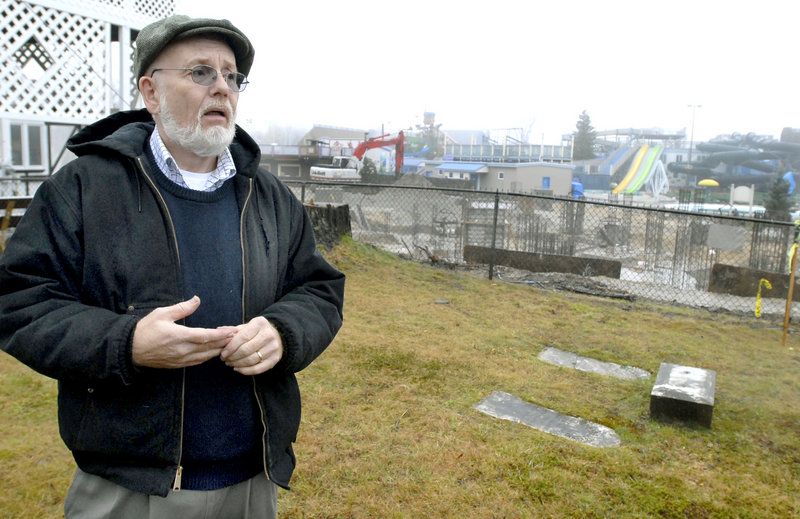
(127, 133)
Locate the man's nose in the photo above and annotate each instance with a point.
(220, 85)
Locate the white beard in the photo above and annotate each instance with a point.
(203, 143)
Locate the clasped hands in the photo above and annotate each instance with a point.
(159, 342)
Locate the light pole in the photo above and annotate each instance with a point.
(691, 137)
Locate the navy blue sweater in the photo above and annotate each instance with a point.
(221, 428)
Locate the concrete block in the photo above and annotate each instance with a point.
(683, 393)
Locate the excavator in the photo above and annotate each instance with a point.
(348, 168)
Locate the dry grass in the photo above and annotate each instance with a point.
(389, 429)
(35, 467)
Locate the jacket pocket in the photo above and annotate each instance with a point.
(141, 420)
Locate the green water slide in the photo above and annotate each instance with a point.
(646, 169)
(637, 161)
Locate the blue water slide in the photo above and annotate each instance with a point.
(619, 154)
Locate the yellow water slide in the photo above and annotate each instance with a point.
(637, 161)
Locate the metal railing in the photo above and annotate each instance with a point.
(20, 185)
(509, 152)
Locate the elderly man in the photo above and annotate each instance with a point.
(173, 288)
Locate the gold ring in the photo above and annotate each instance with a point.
(260, 358)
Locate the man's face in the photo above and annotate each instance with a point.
(200, 119)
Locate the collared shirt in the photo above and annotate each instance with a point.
(225, 166)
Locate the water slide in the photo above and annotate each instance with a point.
(637, 162)
(760, 154)
(646, 169)
(620, 155)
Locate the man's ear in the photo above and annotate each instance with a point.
(147, 87)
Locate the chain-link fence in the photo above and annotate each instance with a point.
(713, 261)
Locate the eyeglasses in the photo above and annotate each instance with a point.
(206, 76)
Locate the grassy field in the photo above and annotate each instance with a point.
(389, 429)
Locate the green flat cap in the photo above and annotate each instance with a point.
(152, 40)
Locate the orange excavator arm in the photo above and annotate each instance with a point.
(380, 142)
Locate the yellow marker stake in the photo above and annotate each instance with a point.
(762, 283)
(793, 255)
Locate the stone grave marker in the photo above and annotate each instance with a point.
(683, 393)
(509, 407)
(572, 360)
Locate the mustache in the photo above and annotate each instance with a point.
(214, 105)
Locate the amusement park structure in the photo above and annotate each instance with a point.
(744, 155)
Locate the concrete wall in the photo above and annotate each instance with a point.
(536, 262)
(742, 281)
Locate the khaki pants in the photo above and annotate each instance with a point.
(92, 497)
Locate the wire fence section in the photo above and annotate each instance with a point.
(665, 255)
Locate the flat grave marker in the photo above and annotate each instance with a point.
(572, 360)
(509, 407)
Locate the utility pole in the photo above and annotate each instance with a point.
(691, 137)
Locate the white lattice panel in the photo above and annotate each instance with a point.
(131, 13)
(72, 83)
(56, 56)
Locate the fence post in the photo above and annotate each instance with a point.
(303, 193)
(494, 234)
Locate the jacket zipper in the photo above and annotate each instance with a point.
(176, 485)
(241, 245)
(261, 410)
(263, 424)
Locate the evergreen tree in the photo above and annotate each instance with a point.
(583, 144)
(778, 204)
(369, 173)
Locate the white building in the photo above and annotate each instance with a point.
(63, 64)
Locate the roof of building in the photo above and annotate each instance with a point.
(464, 167)
(483, 167)
(516, 165)
(414, 161)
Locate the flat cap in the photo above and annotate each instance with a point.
(152, 40)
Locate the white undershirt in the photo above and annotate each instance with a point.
(196, 181)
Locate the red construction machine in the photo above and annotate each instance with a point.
(348, 168)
